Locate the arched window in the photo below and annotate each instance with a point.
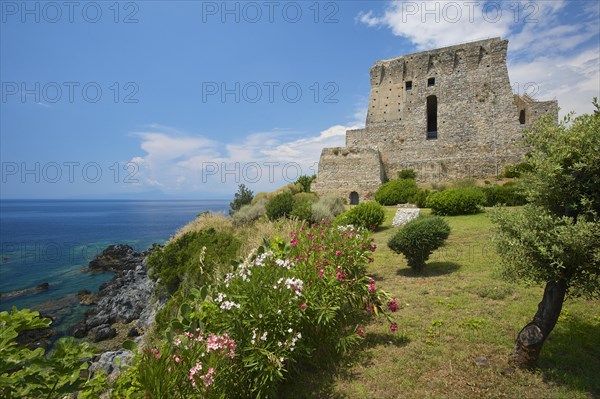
(431, 117)
(353, 198)
(522, 117)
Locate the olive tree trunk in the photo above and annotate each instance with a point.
(532, 336)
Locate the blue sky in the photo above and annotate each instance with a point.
(186, 99)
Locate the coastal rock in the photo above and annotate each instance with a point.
(127, 297)
(27, 291)
(37, 338)
(111, 361)
(85, 297)
(103, 332)
(115, 258)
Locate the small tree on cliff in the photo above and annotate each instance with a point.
(243, 197)
(555, 240)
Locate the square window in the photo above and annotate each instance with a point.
(430, 82)
(409, 85)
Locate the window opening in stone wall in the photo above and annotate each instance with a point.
(431, 117)
(430, 82)
(354, 198)
(409, 85)
(522, 117)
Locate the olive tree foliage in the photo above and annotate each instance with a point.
(555, 239)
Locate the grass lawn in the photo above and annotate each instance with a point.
(457, 311)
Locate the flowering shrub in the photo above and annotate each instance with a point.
(286, 305)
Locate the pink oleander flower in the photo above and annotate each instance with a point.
(371, 285)
(303, 306)
(394, 327)
(360, 332)
(338, 253)
(208, 377)
(393, 305)
(321, 272)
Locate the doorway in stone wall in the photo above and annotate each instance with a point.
(354, 198)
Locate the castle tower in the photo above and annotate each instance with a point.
(447, 113)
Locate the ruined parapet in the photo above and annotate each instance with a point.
(528, 109)
(344, 171)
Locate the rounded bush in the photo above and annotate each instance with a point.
(420, 198)
(399, 191)
(249, 213)
(419, 238)
(327, 208)
(458, 201)
(280, 205)
(302, 209)
(509, 194)
(407, 174)
(369, 215)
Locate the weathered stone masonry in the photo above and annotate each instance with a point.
(447, 113)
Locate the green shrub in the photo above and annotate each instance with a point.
(249, 213)
(311, 197)
(407, 174)
(464, 183)
(280, 205)
(517, 170)
(457, 201)
(180, 259)
(399, 191)
(420, 198)
(302, 210)
(419, 238)
(509, 194)
(369, 215)
(327, 208)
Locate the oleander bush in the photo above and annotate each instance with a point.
(368, 215)
(417, 239)
(290, 306)
(398, 191)
(457, 201)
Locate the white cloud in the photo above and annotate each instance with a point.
(179, 162)
(548, 40)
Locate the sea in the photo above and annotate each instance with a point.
(52, 241)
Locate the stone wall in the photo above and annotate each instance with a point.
(448, 113)
(346, 170)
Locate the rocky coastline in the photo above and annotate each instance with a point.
(123, 308)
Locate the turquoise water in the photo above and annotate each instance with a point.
(53, 240)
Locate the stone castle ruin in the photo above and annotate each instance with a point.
(448, 113)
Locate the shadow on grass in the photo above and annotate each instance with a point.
(383, 228)
(432, 269)
(571, 355)
(319, 383)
